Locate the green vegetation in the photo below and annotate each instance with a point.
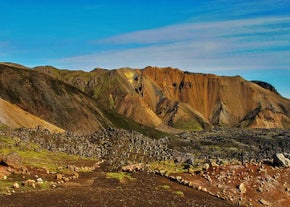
(121, 176)
(119, 121)
(179, 193)
(33, 156)
(43, 186)
(168, 166)
(165, 187)
(4, 185)
(191, 125)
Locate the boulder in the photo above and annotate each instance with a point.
(205, 166)
(30, 183)
(58, 176)
(242, 188)
(12, 160)
(280, 160)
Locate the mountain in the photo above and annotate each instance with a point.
(51, 100)
(168, 98)
(29, 98)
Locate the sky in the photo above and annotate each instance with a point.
(250, 38)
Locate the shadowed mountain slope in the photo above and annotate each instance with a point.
(170, 98)
(49, 99)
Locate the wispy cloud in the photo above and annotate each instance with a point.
(203, 30)
(245, 43)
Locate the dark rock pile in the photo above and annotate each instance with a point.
(120, 147)
(117, 147)
(233, 143)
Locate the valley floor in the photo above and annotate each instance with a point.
(95, 189)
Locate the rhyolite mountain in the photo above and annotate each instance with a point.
(163, 98)
(167, 97)
(29, 98)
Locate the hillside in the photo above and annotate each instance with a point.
(15, 117)
(167, 98)
(50, 100)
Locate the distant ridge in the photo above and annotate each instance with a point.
(266, 85)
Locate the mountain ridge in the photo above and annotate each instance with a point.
(169, 97)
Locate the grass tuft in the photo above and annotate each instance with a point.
(165, 187)
(179, 193)
(121, 176)
(168, 166)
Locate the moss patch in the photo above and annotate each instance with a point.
(179, 193)
(121, 176)
(165, 187)
(168, 166)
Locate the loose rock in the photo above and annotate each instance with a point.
(280, 160)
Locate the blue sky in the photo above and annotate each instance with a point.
(224, 37)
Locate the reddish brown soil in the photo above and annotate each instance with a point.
(94, 189)
(260, 182)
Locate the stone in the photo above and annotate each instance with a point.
(242, 188)
(178, 178)
(280, 160)
(30, 183)
(205, 166)
(12, 160)
(58, 176)
(16, 185)
(190, 161)
(39, 180)
(213, 163)
(264, 202)
(65, 179)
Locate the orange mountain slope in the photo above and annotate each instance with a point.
(167, 97)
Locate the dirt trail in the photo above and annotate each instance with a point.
(94, 189)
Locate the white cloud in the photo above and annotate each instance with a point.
(203, 30)
(236, 44)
